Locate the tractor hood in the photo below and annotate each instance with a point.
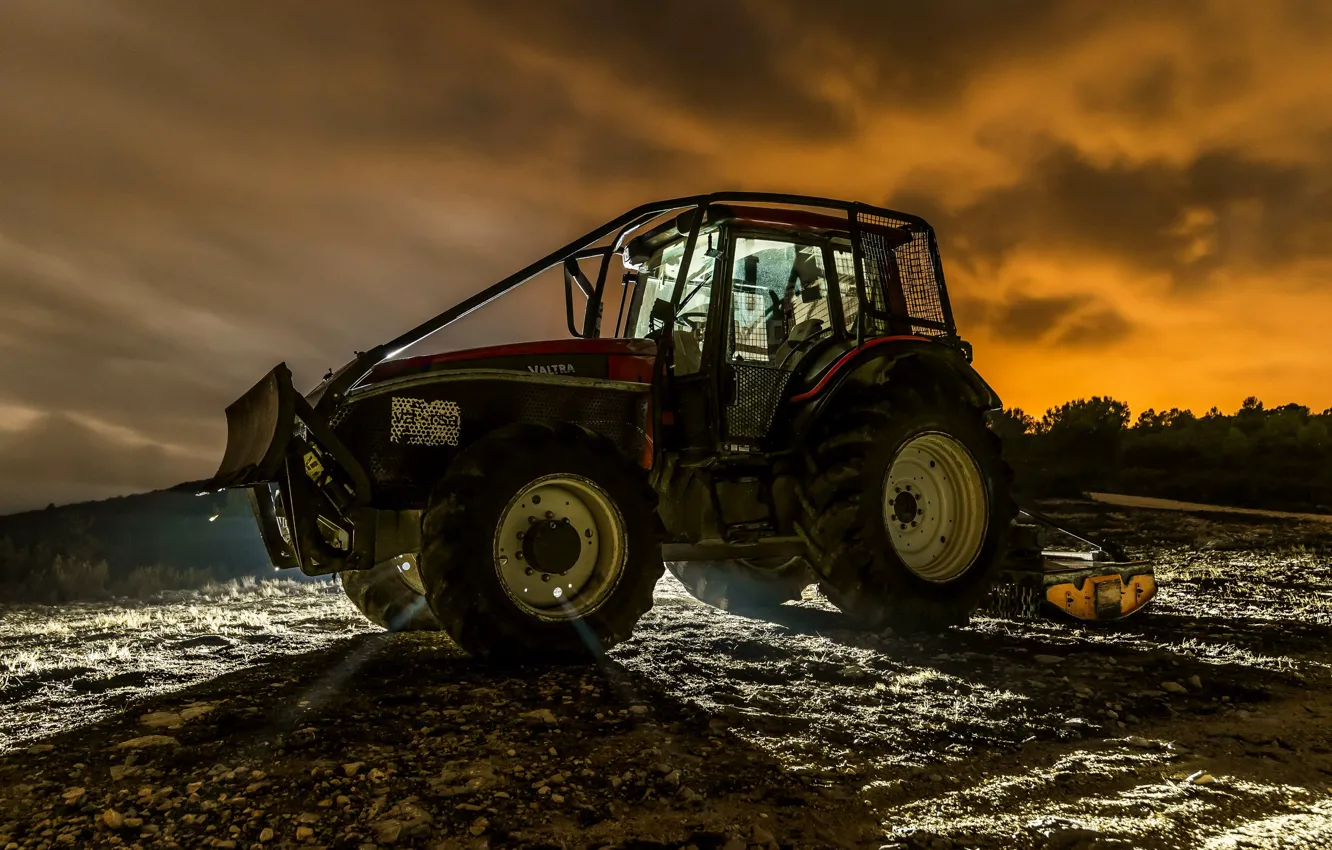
(616, 359)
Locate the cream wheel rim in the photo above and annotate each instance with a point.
(935, 506)
(560, 547)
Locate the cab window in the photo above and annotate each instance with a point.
(779, 291)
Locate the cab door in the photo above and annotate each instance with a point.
(777, 304)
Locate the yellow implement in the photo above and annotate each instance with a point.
(1095, 586)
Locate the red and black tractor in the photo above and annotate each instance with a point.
(782, 399)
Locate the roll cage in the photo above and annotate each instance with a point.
(917, 298)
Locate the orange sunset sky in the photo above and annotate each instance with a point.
(1132, 198)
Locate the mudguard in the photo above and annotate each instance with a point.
(875, 361)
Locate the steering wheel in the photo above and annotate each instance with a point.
(692, 319)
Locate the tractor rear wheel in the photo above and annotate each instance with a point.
(907, 509)
(744, 585)
(540, 542)
(390, 596)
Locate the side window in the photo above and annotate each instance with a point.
(846, 287)
(778, 298)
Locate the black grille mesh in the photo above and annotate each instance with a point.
(915, 263)
(758, 391)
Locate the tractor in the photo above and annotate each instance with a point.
(781, 399)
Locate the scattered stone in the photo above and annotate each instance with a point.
(38, 749)
(1195, 682)
(388, 831)
(557, 798)
(112, 819)
(266, 835)
(304, 833)
(146, 741)
(479, 826)
(539, 717)
(1174, 688)
(1201, 777)
(1047, 659)
(763, 836)
(638, 709)
(463, 778)
(73, 795)
(1138, 741)
(353, 768)
(162, 720)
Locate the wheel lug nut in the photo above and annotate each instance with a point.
(536, 500)
(913, 523)
(519, 556)
(903, 525)
(531, 520)
(528, 571)
(550, 514)
(587, 533)
(545, 576)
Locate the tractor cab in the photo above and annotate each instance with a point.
(757, 302)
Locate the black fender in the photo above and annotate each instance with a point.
(881, 361)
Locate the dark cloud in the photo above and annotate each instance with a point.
(1077, 320)
(1030, 317)
(1151, 92)
(1222, 209)
(1095, 329)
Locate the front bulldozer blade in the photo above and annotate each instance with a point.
(259, 426)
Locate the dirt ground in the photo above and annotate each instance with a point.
(1206, 722)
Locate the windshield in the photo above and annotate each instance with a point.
(657, 282)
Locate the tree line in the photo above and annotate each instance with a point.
(1278, 458)
(131, 546)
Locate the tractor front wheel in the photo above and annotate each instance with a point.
(391, 596)
(540, 542)
(907, 508)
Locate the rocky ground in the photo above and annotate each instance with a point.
(1207, 723)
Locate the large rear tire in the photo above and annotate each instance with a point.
(907, 507)
(541, 542)
(388, 600)
(744, 585)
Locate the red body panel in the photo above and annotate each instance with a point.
(627, 359)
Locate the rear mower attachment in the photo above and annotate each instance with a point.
(1095, 584)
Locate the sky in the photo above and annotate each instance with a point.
(1132, 198)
